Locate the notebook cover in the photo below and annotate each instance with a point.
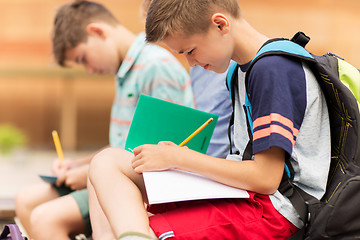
(157, 120)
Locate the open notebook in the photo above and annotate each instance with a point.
(158, 120)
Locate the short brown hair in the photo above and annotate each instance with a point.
(168, 17)
(70, 25)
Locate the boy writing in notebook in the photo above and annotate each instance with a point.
(290, 121)
(86, 33)
(210, 96)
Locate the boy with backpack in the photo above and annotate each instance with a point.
(288, 123)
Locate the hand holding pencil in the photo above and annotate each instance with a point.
(139, 163)
(58, 166)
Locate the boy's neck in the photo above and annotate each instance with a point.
(124, 39)
(247, 41)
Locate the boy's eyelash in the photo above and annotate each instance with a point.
(190, 52)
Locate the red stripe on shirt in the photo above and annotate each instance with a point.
(120, 122)
(274, 128)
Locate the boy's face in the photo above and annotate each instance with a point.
(211, 50)
(98, 55)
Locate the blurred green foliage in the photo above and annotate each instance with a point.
(11, 138)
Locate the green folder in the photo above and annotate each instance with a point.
(157, 120)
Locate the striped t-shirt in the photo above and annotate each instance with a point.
(151, 70)
(288, 111)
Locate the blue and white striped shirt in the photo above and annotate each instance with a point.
(151, 70)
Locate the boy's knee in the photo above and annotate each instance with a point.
(22, 201)
(99, 164)
(41, 216)
(44, 223)
(20, 198)
(107, 160)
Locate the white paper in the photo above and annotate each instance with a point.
(175, 185)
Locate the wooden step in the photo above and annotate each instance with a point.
(7, 208)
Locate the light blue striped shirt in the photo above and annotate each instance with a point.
(212, 95)
(151, 70)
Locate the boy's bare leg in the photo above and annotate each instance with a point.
(57, 219)
(120, 191)
(31, 197)
(100, 225)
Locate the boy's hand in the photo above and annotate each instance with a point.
(74, 178)
(158, 157)
(60, 167)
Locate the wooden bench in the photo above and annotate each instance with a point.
(7, 211)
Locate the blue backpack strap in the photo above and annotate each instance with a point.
(229, 76)
(248, 112)
(284, 47)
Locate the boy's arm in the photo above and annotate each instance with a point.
(262, 175)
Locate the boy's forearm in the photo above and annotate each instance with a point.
(262, 175)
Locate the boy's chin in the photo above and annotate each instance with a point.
(218, 70)
(213, 69)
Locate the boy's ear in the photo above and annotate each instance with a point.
(221, 22)
(96, 29)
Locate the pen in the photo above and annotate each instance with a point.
(58, 145)
(196, 132)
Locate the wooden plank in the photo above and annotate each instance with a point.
(7, 208)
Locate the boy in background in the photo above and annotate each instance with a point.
(290, 121)
(86, 33)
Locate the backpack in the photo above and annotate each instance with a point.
(336, 215)
(11, 232)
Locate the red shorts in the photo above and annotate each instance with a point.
(253, 218)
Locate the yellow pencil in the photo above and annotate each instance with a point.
(58, 145)
(196, 132)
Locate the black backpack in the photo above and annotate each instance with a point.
(337, 214)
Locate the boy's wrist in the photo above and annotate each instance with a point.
(182, 161)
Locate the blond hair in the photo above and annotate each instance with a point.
(70, 24)
(168, 17)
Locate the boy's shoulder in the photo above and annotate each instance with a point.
(276, 63)
(157, 53)
(276, 68)
(149, 58)
(150, 55)
(156, 57)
